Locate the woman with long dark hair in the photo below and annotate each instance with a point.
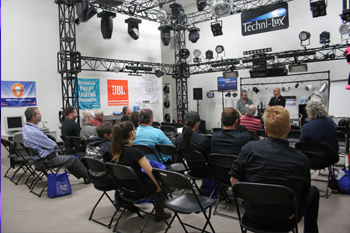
(124, 154)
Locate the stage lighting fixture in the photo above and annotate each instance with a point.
(115, 69)
(159, 73)
(193, 36)
(256, 90)
(166, 104)
(110, 3)
(221, 7)
(216, 28)
(135, 68)
(246, 89)
(175, 10)
(201, 4)
(197, 53)
(285, 88)
(298, 68)
(165, 34)
(325, 38)
(84, 13)
(323, 87)
(106, 23)
(266, 87)
(209, 54)
(297, 85)
(318, 8)
(167, 117)
(304, 35)
(344, 29)
(210, 94)
(133, 27)
(184, 53)
(166, 89)
(228, 94)
(309, 87)
(234, 94)
(219, 49)
(162, 16)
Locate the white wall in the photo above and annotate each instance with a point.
(300, 19)
(30, 43)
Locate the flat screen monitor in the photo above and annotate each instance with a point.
(13, 123)
(227, 84)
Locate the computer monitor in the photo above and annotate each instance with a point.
(14, 123)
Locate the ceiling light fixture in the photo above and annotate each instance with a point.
(304, 36)
(216, 28)
(184, 53)
(209, 54)
(193, 36)
(201, 4)
(221, 7)
(165, 34)
(106, 23)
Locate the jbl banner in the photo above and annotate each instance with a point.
(118, 92)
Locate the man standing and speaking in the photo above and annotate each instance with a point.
(278, 99)
(243, 103)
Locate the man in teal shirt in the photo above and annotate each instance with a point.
(149, 136)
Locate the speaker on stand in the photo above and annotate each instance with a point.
(197, 95)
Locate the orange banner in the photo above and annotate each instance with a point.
(118, 92)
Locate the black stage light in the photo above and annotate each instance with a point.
(318, 8)
(256, 90)
(209, 54)
(82, 9)
(165, 34)
(201, 4)
(194, 34)
(325, 38)
(135, 68)
(133, 27)
(228, 94)
(166, 104)
(106, 23)
(297, 85)
(167, 117)
(175, 10)
(216, 28)
(219, 49)
(184, 53)
(166, 89)
(304, 35)
(159, 73)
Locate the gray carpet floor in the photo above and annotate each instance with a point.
(24, 212)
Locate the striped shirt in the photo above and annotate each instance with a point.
(251, 123)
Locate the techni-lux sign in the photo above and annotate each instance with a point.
(265, 19)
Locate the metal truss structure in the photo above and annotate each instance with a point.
(70, 62)
(68, 59)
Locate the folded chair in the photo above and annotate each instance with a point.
(149, 150)
(317, 147)
(99, 177)
(31, 162)
(171, 151)
(121, 172)
(269, 195)
(187, 203)
(222, 164)
(199, 168)
(16, 158)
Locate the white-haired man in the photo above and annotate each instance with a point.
(88, 128)
(98, 117)
(249, 121)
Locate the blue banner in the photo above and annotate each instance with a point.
(18, 93)
(89, 93)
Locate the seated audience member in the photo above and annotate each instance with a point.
(190, 139)
(88, 129)
(98, 117)
(229, 140)
(126, 111)
(147, 135)
(250, 122)
(36, 139)
(100, 147)
(69, 126)
(134, 118)
(125, 154)
(320, 128)
(272, 161)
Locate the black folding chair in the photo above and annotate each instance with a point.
(269, 195)
(80, 145)
(177, 125)
(99, 177)
(320, 147)
(261, 133)
(171, 151)
(149, 150)
(165, 123)
(122, 173)
(169, 131)
(293, 136)
(156, 125)
(16, 158)
(68, 145)
(199, 168)
(222, 164)
(187, 203)
(59, 146)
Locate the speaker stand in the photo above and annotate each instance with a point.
(198, 106)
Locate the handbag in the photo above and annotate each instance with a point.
(58, 185)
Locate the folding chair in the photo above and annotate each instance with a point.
(169, 130)
(122, 173)
(43, 172)
(199, 168)
(293, 136)
(269, 195)
(98, 175)
(165, 123)
(222, 164)
(171, 151)
(148, 150)
(177, 125)
(16, 158)
(59, 148)
(156, 125)
(187, 203)
(261, 133)
(31, 162)
(79, 145)
(68, 145)
(317, 147)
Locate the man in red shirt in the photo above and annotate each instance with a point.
(98, 117)
(249, 121)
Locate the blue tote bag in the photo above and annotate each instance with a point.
(58, 185)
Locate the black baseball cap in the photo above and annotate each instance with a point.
(192, 116)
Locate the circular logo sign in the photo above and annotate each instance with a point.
(17, 89)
